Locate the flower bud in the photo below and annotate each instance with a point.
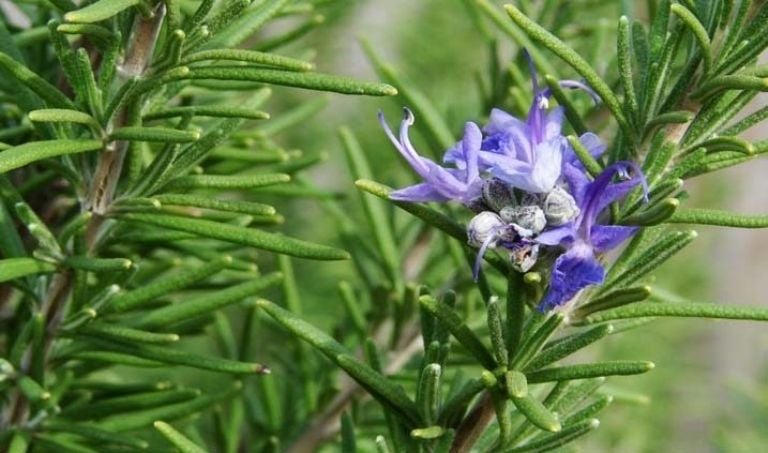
(477, 205)
(482, 227)
(530, 199)
(528, 217)
(497, 194)
(559, 207)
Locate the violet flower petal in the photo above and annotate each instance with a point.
(608, 237)
(573, 271)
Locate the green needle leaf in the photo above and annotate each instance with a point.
(659, 191)
(428, 394)
(208, 303)
(171, 356)
(589, 370)
(589, 411)
(420, 103)
(160, 287)
(455, 407)
(724, 144)
(63, 116)
(141, 418)
(102, 34)
(88, 263)
(34, 82)
(663, 249)
(459, 330)
(719, 218)
(176, 438)
(374, 209)
(98, 435)
(432, 432)
(100, 10)
(747, 122)
(10, 242)
(555, 441)
(227, 182)
(676, 117)
(516, 383)
(730, 82)
(250, 56)
(247, 22)
(348, 441)
(32, 390)
(496, 329)
(243, 207)
(613, 299)
(380, 387)
(292, 118)
(125, 334)
(21, 155)
(154, 134)
(536, 413)
(517, 36)
(215, 111)
(681, 310)
(13, 268)
(699, 32)
(656, 214)
(624, 47)
(566, 346)
(128, 402)
(566, 395)
(558, 47)
(306, 80)
(117, 358)
(430, 216)
(536, 340)
(19, 443)
(592, 166)
(239, 235)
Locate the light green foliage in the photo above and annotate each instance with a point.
(175, 279)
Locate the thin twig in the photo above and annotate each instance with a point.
(102, 190)
(473, 425)
(136, 62)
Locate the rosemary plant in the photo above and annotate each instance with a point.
(150, 302)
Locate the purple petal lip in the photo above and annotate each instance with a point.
(578, 267)
(574, 270)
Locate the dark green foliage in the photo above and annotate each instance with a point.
(112, 124)
(151, 211)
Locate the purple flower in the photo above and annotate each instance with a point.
(585, 238)
(462, 183)
(526, 154)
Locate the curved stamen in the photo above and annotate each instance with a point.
(492, 238)
(388, 131)
(403, 145)
(532, 70)
(405, 125)
(576, 84)
(539, 104)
